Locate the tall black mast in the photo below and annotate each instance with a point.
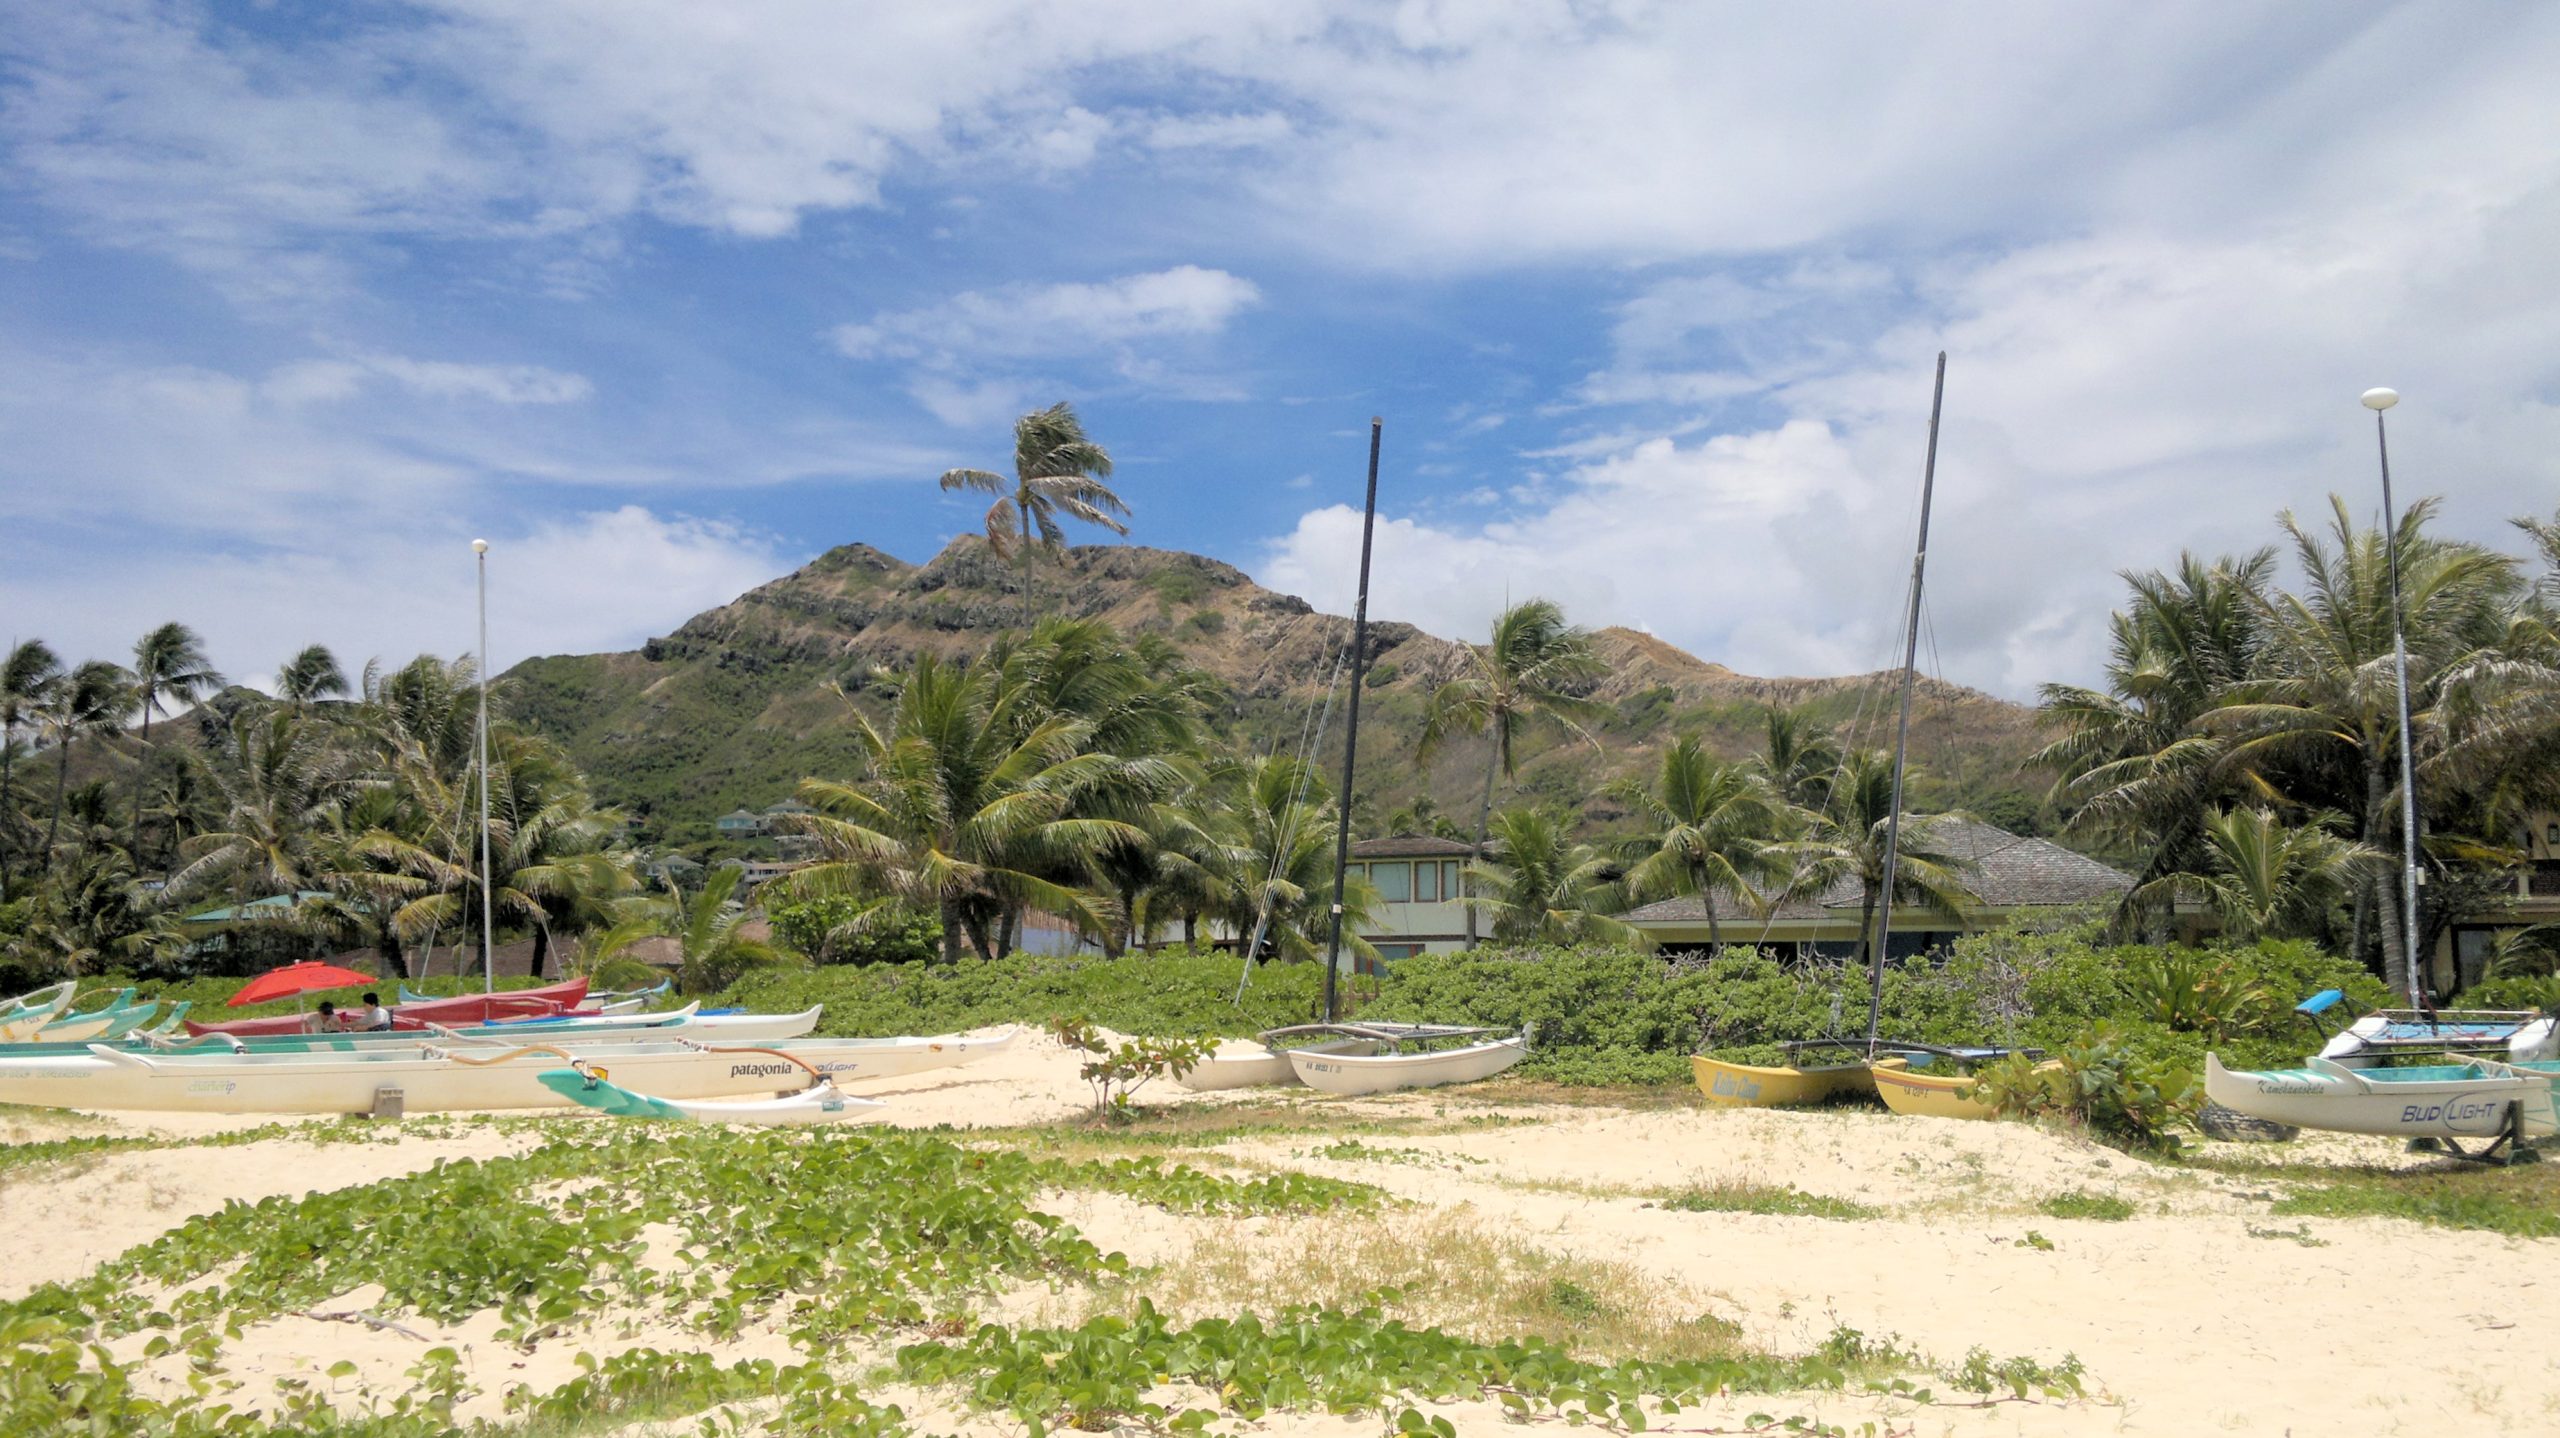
(1902, 727)
(1351, 728)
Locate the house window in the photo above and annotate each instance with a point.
(1426, 883)
(1449, 879)
(1397, 951)
(1394, 881)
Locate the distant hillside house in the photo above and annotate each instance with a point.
(1417, 876)
(2010, 875)
(741, 824)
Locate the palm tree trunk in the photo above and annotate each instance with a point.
(1191, 931)
(541, 947)
(1484, 825)
(1866, 927)
(61, 778)
(2385, 888)
(8, 829)
(141, 771)
(1715, 929)
(950, 932)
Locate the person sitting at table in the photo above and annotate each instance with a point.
(374, 1018)
(323, 1022)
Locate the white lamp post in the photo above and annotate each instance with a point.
(2379, 400)
(488, 901)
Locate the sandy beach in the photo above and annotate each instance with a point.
(2199, 1313)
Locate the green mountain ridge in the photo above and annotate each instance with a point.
(739, 704)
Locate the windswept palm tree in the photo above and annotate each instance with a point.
(706, 927)
(2264, 876)
(1278, 852)
(90, 701)
(311, 675)
(1798, 757)
(278, 784)
(1539, 887)
(170, 670)
(1057, 470)
(1848, 842)
(1712, 829)
(1534, 668)
(965, 810)
(27, 679)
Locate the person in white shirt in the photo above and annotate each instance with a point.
(375, 1019)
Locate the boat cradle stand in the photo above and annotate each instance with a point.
(2507, 1148)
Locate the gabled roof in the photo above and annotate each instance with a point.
(2004, 871)
(1412, 846)
(749, 815)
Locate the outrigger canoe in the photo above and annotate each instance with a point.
(442, 1076)
(30, 1012)
(548, 1001)
(2468, 1099)
(116, 1016)
(1392, 1068)
(821, 1102)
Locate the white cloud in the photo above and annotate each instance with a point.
(577, 584)
(965, 352)
(321, 381)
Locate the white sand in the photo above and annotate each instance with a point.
(2187, 1324)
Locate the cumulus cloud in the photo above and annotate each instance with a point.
(950, 346)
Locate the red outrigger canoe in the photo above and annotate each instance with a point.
(543, 1002)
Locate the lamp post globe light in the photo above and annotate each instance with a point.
(2379, 400)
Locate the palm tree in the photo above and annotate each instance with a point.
(2324, 705)
(310, 675)
(1541, 888)
(1277, 857)
(1799, 757)
(91, 700)
(1849, 841)
(2134, 763)
(278, 785)
(2263, 876)
(706, 928)
(27, 679)
(169, 669)
(1056, 470)
(1713, 829)
(965, 810)
(1534, 667)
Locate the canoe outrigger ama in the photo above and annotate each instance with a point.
(2472, 1098)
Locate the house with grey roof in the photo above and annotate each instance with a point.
(1417, 877)
(2011, 877)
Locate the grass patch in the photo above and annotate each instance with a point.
(1774, 1199)
(2521, 1201)
(2096, 1207)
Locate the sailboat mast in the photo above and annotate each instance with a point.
(2379, 400)
(1351, 729)
(1902, 726)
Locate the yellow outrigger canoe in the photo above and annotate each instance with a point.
(1750, 1086)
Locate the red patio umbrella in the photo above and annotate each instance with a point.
(309, 976)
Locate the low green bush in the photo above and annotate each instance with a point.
(1172, 994)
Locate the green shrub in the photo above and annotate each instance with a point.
(2097, 1207)
(2108, 1081)
(2519, 992)
(818, 928)
(1173, 994)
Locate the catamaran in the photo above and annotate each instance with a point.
(2385, 1033)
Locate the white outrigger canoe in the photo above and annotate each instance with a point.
(2473, 1098)
(820, 1102)
(447, 1075)
(1260, 1063)
(581, 1029)
(1390, 1068)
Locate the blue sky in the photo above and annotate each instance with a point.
(663, 298)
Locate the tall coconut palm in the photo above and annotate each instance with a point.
(1539, 887)
(278, 783)
(1712, 830)
(309, 676)
(170, 669)
(1057, 470)
(27, 679)
(90, 701)
(964, 811)
(2326, 694)
(1797, 757)
(1534, 668)
(2263, 876)
(1848, 843)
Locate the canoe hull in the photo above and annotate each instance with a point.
(2467, 1101)
(1250, 1065)
(335, 1082)
(1929, 1095)
(819, 1104)
(1735, 1085)
(1385, 1073)
(465, 1009)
